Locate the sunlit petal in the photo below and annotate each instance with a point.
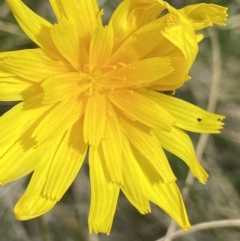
(137, 107)
(179, 143)
(132, 15)
(141, 73)
(33, 65)
(23, 161)
(26, 114)
(133, 186)
(112, 146)
(203, 15)
(37, 28)
(139, 44)
(145, 141)
(65, 87)
(94, 119)
(180, 32)
(104, 195)
(188, 116)
(33, 204)
(63, 171)
(61, 117)
(15, 88)
(166, 196)
(68, 47)
(101, 47)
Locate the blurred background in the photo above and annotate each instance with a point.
(219, 199)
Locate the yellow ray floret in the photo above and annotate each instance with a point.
(188, 116)
(112, 146)
(104, 195)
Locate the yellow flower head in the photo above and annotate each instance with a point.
(100, 88)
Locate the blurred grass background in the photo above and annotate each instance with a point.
(219, 199)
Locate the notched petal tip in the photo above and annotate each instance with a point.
(187, 227)
(203, 178)
(204, 15)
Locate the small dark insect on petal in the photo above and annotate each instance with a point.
(168, 92)
(199, 119)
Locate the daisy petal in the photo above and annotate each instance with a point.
(89, 10)
(77, 12)
(168, 197)
(94, 119)
(132, 15)
(133, 185)
(165, 195)
(101, 47)
(143, 139)
(69, 10)
(179, 143)
(189, 117)
(203, 15)
(33, 65)
(66, 162)
(180, 33)
(67, 46)
(65, 87)
(137, 107)
(61, 117)
(104, 195)
(112, 146)
(26, 113)
(33, 204)
(139, 44)
(141, 73)
(37, 28)
(175, 79)
(17, 162)
(15, 88)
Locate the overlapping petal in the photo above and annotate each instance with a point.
(138, 107)
(33, 204)
(66, 86)
(132, 15)
(77, 12)
(143, 139)
(104, 195)
(25, 161)
(112, 146)
(94, 119)
(175, 79)
(37, 28)
(101, 47)
(138, 74)
(68, 47)
(63, 171)
(33, 65)
(27, 114)
(179, 143)
(61, 117)
(139, 44)
(180, 32)
(15, 88)
(167, 196)
(203, 15)
(133, 184)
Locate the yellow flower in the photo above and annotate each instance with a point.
(94, 87)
